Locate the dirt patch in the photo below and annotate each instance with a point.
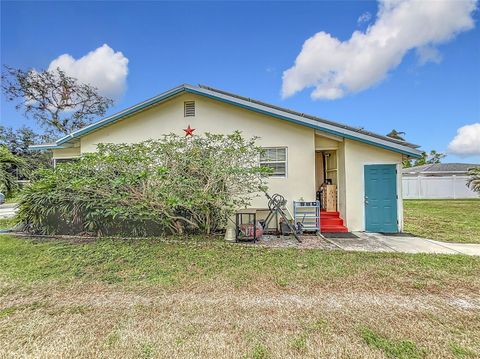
(307, 242)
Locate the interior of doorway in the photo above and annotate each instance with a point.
(326, 177)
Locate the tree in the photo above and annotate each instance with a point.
(426, 159)
(9, 162)
(18, 142)
(474, 180)
(59, 103)
(396, 135)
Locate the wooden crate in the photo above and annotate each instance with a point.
(329, 197)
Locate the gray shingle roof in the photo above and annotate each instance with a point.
(442, 167)
(317, 123)
(318, 119)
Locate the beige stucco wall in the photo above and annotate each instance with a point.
(357, 155)
(69, 152)
(323, 143)
(301, 142)
(217, 117)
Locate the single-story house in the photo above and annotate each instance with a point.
(304, 151)
(439, 180)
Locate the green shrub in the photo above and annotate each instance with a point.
(172, 185)
(10, 165)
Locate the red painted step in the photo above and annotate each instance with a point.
(334, 229)
(331, 222)
(329, 214)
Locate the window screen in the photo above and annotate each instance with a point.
(276, 159)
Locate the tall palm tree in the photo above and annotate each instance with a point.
(474, 180)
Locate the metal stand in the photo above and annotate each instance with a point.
(276, 203)
(246, 230)
(307, 214)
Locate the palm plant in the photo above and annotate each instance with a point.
(474, 180)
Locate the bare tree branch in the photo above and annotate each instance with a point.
(59, 103)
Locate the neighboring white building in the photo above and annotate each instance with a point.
(305, 151)
(440, 180)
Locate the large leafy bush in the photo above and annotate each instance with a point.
(172, 185)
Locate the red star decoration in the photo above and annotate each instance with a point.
(189, 131)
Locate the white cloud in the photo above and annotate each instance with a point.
(365, 17)
(335, 68)
(428, 54)
(466, 142)
(103, 68)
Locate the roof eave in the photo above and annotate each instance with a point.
(40, 147)
(408, 151)
(253, 106)
(303, 115)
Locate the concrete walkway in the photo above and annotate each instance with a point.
(8, 210)
(376, 242)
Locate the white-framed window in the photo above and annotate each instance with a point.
(276, 159)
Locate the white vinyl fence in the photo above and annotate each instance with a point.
(437, 187)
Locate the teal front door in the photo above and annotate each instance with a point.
(381, 198)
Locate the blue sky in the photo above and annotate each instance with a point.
(245, 47)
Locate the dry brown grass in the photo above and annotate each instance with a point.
(104, 321)
(219, 317)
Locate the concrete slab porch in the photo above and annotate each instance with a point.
(376, 242)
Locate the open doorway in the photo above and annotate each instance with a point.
(326, 179)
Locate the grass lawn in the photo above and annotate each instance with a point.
(6, 223)
(202, 298)
(12, 200)
(445, 220)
